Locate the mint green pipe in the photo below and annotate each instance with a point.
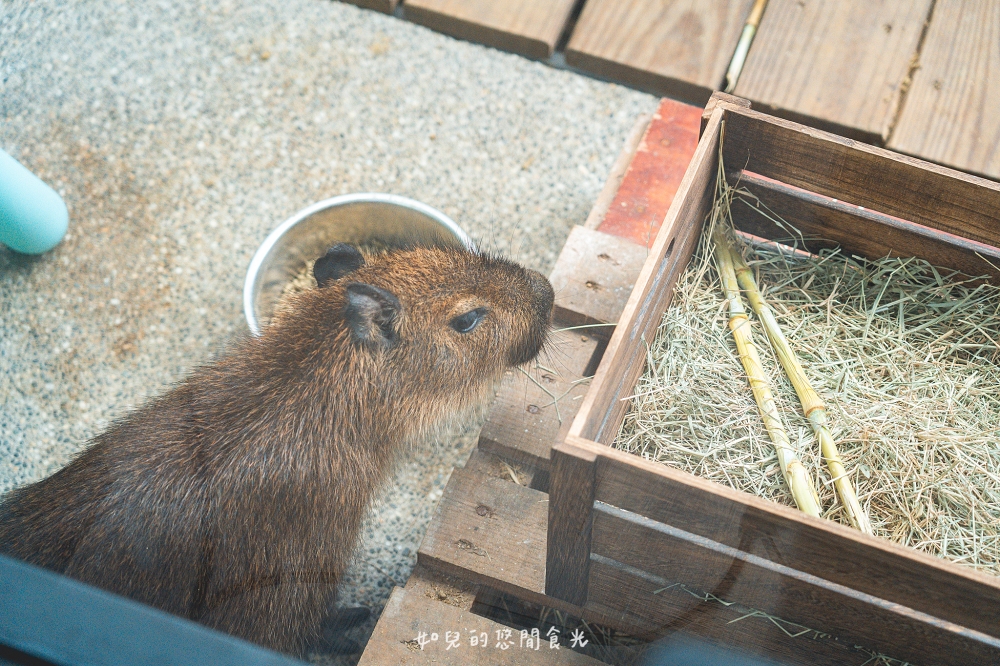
(33, 217)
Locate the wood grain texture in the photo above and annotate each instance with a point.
(528, 27)
(409, 612)
(682, 614)
(594, 277)
(571, 508)
(836, 64)
(656, 171)
(493, 533)
(440, 587)
(737, 576)
(717, 98)
(952, 111)
(821, 548)
(879, 179)
(856, 229)
(384, 6)
(489, 531)
(680, 48)
(492, 465)
(534, 407)
(603, 407)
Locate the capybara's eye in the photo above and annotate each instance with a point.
(465, 323)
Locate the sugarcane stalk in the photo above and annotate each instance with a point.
(795, 473)
(812, 404)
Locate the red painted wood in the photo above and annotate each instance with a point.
(652, 178)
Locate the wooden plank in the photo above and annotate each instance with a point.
(497, 467)
(734, 575)
(835, 64)
(384, 6)
(618, 169)
(446, 589)
(655, 173)
(878, 179)
(680, 48)
(704, 624)
(594, 277)
(952, 110)
(408, 613)
(830, 551)
(857, 230)
(534, 407)
(603, 407)
(493, 533)
(528, 27)
(571, 503)
(489, 531)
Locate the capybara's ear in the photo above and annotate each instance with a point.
(338, 261)
(371, 313)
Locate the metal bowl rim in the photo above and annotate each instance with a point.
(333, 202)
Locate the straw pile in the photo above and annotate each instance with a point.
(907, 358)
(303, 281)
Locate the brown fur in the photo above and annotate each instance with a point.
(235, 499)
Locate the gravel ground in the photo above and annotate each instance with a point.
(179, 135)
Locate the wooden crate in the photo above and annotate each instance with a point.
(625, 534)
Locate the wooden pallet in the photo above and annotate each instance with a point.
(490, 531)
(680, 48)
(952, 111)
(528, 27)
(839, 65)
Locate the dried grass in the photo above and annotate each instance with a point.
(907, 358)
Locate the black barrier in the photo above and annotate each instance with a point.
(46, 618)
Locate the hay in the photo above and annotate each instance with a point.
(907, 358)
(303, 281)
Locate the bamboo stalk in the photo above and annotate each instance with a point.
(795, 473)
(743, 46)
(812, 404)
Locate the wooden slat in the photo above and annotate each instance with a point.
(594, 277)
(680, 48)
(735, 575)
(408, 613)
(894, 184)
(655, 173)
(528, 27)
(833, 552)
(603, 407)
(493, 533)
(440, 587)
(489, 531)
(857, 230)
(952, 110)
(835, 64)
(53, 619)
(497, 467)
(535, 407)
(571, 503)
(684, 615)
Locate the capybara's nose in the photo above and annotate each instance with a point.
(541, 289)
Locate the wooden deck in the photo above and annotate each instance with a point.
(918, 77)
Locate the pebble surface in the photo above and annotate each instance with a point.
(180, 134)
